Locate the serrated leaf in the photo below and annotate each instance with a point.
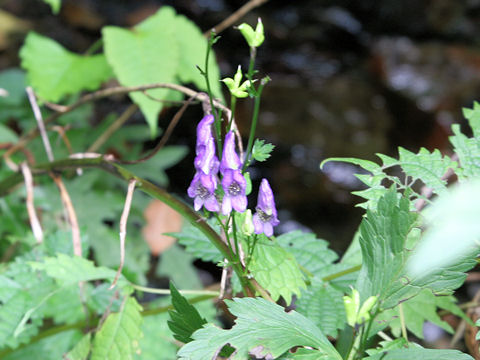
(147, 54)
(261, 328)
(416, 311)
(473, 117)
(185, 320)
(55, 72)
(177, 264)
(119, 337)
(193, 49)
(364, 164)
(468, 151)
(429, 167)
(261, 151)
(72, 269)
(416, 354)
(323, 305)
(305, 354)
(311, 253)
(276, 270)
(81, 350)
(157, 339)
(197, 244)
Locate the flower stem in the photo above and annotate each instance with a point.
(233, 103)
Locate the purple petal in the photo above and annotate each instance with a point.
(198, 203)
(230, 159)
(226, 205)
(239, 203)
(257, 224)
(211, 204)
(268, 229)
(204, 131)
(209, 182)
(192, 189)
(266, 201)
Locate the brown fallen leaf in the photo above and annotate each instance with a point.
(160, 219)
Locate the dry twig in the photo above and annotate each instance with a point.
(32, 214)
(123, 228)
(41, 126)
(237, 15)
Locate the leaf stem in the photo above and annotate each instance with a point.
(342, 273)
(167, 291)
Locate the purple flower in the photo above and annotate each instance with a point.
(206, 160)
(204, 130)
(202, 190)
(266, 216)
(230, 159)
(234, 185)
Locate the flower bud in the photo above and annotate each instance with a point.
(254, 38)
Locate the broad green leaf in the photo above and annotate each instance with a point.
(311, 253)
(382, 238)
(416, 311)
(417, 354)
(453, 231)
(399, 343)
(185, 319)
(276, 270)
(119, 337)
(13, 81)
(193, 50)
(50, 348)
(263, 329)
(81, 350)
(54, 4)
(72, 269)
(147, 54)
(323, 305)
(305, 354)
(55, 72)
(429, 167)
(157, 339)
(177, 264)
(197, 244)
(468, 151)
(261, 151)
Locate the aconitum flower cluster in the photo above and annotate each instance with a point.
(204, 184)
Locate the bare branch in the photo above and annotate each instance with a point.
(72, 216)
(41, 126)
(32, 214)
(176, 118)
(123, 227)
(117, 124)
(236, 16)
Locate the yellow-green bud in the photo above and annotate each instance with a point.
(254, 38)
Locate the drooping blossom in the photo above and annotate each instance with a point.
(233, 182)
(265, 217)
(202, 188)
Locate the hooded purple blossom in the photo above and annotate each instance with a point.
(206, 160)
(230, 159)
(204, 130)
(265, 217)
(234, 185)
(233, 182)
(202, 190)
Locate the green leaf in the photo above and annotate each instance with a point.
(55, 72)
(323, 305)
(13, 81)
(382, 238)
(54, 4)
(119, 337)
(193, 49)
(276, 270)
(311, 253)
(177, 264)
(429, 167)
(305, 354)
(473, 117)
(147, 54)
(157, 339)
(197, 244)
(262, 328)
(418, 310)
(261, 151)
(468, 151)
(185, 319)
(81, 350)
(417, 353)
(70, 270)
